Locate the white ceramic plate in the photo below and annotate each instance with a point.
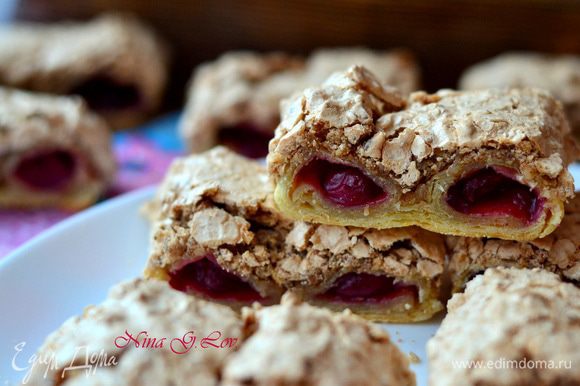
(73, 264)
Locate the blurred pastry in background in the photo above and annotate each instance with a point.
(54, 152)
(144, 333)
(114, 62)
(559, 74)
(397, 68)
(235, 100)
(297, 344)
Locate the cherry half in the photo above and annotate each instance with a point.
(343, 185)
(103, 93)
(492, 191)
(245, 139)
(206, 277)
(367, 288)
(46, 170)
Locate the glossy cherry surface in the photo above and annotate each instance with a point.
(494, 192)
(364, 287)
(206, 277)
(46, 170)
(343, 185)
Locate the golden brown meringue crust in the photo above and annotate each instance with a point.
(559, 252)
(55, 58)
(30, 122)
(135, 306)
(412, 148)
(509, 314)
(297, 344)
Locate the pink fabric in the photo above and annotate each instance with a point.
(141, 163)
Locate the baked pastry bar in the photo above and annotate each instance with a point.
(559, 252)
(162, 323)
(215, 231)
(53, 152)
(557, 73)
(297, 344)
(510, 327)
(391, 275)
(235, 100)
(484, 163)
(114, 62)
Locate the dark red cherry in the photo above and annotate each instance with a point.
(494, 192)
(246, 139)
(341, 184)
(364, 287)
(102, 93)
(46, 170)
(206, 277)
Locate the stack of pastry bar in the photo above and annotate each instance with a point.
(217, 234)
(489, 167)
(362, 188)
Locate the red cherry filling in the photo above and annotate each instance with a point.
(105, 94)
(206, 277)
(367, 288)
(246, 140)
(48, 170)
(492, 191)
(341, 184)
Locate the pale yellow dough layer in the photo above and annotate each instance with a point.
(430, 215)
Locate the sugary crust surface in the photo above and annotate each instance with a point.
(559, 252)
(318, 254)
(240, 185)
(246, 87)
(559, 74)
(297, 344)
(135, 306)
(405, 145)
(219, 203)
(55, 58)
(30, 122)
(509, 314)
